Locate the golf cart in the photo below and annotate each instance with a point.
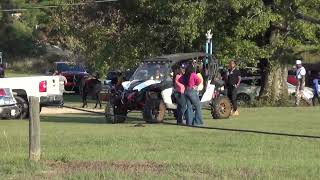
(150, 89)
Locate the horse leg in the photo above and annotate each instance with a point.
(96, 97)
(99, 100)
(84, 100)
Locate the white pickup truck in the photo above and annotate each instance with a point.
(49, 89)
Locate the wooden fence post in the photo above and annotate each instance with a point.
(34, 129)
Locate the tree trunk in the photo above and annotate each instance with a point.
(274, 89)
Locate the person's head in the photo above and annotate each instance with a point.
(199, 69)
(183, 69)
(157, 72)
(298, 64)
(189, 71)
(232, 64)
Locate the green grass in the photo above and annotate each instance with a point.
(80, 146)
(11, 73)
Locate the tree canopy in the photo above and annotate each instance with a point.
(120, 34)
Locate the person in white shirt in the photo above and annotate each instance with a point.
(301, 79)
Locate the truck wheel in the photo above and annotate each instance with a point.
(154, 111)
(221, 108)
(115, 114)
(23, 108)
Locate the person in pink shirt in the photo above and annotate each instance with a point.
(191, 82)
(179, 95)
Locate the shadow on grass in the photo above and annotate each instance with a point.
(72, 98)
(85, 118)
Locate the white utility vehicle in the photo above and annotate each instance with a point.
(49, 89)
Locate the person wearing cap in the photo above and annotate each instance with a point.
(233, 79)
(179, 94)
(301, 80)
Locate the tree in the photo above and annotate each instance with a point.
(267, 30)
(17, 33)
(121, 34)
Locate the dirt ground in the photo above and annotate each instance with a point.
(55, 110)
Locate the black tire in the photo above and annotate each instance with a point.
(243, 99)
(154, 111)
(115, 113)
(23, 108)
(221, 108)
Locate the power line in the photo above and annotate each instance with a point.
(55, 6)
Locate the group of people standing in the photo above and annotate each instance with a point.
(188, 82)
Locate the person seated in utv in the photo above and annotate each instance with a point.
(157, 76)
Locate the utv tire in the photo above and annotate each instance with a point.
(221, 108)
(115, 114)
(154, 111)
(23, 108)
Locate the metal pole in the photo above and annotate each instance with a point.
(211, 44)
(208, 44)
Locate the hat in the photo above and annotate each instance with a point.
(298, 62)
(183, 66)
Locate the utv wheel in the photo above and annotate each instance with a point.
(243, 99)
(23, 108)
(221, 108)
(154, 111)
(115, 114)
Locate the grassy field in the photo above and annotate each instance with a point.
(82, 146)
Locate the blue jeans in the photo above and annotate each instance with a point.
(193, 101)
(181, 106)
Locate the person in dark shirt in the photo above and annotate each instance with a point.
(232, 83)
(315, 85)
(2, 74)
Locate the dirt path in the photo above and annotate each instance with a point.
(54, 110)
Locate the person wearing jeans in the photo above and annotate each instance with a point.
(191, 82)
(315, 83)
(180, 96)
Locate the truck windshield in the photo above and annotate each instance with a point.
(151, 71)
(64, 67)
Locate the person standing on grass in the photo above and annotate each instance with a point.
(191, 82)
(2, 74)
(315, 85)
(301, 81)
(233, 79)
(179, 95)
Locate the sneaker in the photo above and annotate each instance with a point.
(236, 113)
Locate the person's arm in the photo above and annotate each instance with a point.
(178, 81)
(239, 79)
(196, 78)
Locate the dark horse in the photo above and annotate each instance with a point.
(90, 86)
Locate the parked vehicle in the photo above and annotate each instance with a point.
(8, 104)
(153, 96)
(111, 80)
(73, 73)
(250, 88)
(49, 89)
